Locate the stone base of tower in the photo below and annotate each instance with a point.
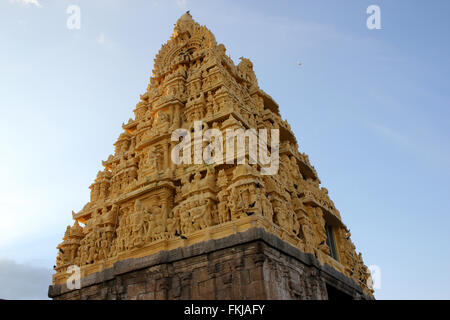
(247, 265)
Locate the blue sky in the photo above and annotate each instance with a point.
(370, 107)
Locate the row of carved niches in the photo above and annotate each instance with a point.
(204, 199)
(159, 124)
(142, 226)
(122, 171)
(126, 169)
(197, 107)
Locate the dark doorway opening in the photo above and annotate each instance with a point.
(336, 294)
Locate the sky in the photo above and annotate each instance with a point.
(369, 107)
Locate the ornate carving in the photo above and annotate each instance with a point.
(142, 201)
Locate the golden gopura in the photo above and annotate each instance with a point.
(142, 202)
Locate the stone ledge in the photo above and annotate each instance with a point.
(163, 257)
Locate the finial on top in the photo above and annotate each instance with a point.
(186, 16)
(183, 23)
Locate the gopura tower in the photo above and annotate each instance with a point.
(158, 230)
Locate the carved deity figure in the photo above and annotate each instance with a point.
(185, 221)
(173, 223)
(155, 159)
(138, 227)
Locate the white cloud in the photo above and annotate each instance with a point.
(27, 2)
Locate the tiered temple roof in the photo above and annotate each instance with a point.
(142, 202)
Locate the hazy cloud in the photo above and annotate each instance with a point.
(23, 281)
(101, 38)
(27, 2)
(393, 136)
(106, 41)
(182, 4)
(429, 150)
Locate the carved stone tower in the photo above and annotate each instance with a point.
(155, 229)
